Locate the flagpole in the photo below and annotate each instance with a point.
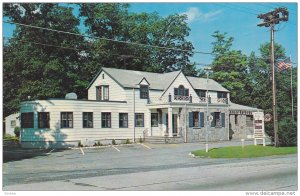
(292, 88)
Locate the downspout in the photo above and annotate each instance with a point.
(133, 115)
(186, 127)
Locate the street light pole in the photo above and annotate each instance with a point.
(207, 122)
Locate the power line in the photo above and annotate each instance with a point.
(82, 50)
(272, 7)
(95, 37)
(106, 39)
(231, 6)
(118, 55)
(122, 55)
(237, 9)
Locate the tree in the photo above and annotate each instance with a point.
(37, 70)
(249, 81)
(42, 64)
(260, 73)
(230, 68)
(113, 21)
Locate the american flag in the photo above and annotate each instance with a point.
(283, 65)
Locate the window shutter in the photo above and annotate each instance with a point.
(191, 119)
(223, 119)
(175, 91)
(201, 119)
(186, 92)
(213, 122)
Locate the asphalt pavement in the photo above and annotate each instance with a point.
(148, 167)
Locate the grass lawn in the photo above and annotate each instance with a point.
(246, 152)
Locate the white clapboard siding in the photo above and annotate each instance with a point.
(55, 107)
(213, 94)
(180, 80)
(9, 125)
(116, 92)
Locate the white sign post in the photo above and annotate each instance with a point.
(259, 127)
(209, 120)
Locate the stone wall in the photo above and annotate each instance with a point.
(240, 130)
(196, 134)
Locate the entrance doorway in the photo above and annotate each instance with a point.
(175, 125)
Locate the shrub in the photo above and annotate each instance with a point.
(113, 142)
(17, 131)
(98, 143)
(9, 137)
(141, 140)
(127, 141)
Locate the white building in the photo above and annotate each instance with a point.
(126, 104)
(11, 122)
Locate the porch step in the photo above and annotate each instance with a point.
(163, 140)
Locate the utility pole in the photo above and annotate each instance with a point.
(270, 19)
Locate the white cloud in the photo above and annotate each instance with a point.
(194, 14)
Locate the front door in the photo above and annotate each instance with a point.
(174, 122)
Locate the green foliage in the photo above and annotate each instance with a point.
(113, 21)
(113, 142)
(249, 81)
(45, 72)
(36, 70)
(127, 141)
(141, 140)
(98, 143)
(8, 137)
(246, 152)
(287, 133)
(17, 131)
(230, 68)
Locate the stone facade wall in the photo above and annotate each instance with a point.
(240, 130)
(196, 134)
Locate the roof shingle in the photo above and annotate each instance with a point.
(159, 81)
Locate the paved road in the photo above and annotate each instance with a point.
(135, 167)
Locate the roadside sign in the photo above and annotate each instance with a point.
(268, 117)
(259, 127)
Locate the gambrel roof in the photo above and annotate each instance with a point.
(158, 81)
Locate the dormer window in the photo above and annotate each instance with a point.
(181, 91)
(201, 93)
(222, 95)
(144, 91)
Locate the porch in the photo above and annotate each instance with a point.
(165, 122)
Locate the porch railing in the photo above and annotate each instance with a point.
(181, 98)
(186, 99)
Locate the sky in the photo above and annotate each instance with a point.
(238, 20)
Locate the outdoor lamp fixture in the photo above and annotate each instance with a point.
(207, 69)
